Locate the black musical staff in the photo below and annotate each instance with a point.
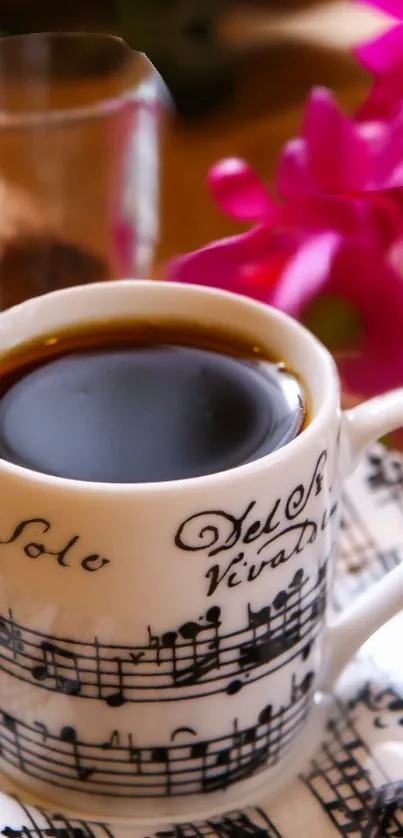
(186, 765)
(38, 823)
(10, 638)
(10, 725)
(51, 667)
(385, 704)
(196, 659)
(249, 823)
(385, 476)
(68, 734)
(341, 778)
(361, 561)
(387, 806)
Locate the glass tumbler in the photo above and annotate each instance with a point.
(79, 162)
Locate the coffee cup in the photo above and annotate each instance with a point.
(163, 645)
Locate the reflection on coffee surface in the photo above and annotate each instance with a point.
(135, 401)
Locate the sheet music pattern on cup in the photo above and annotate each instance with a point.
(196, 659)
(348, 783)
(186, 765)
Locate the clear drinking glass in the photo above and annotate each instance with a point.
(79, 153)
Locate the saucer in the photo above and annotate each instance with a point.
(352, 783)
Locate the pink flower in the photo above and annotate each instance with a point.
(338, 155)
(330, 156)
(383, 53)
(321, 255)
(383, 57)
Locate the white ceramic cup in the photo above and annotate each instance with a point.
(161, 645)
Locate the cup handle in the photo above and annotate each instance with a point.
(344, 636)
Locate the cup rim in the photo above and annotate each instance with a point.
(330, 398)
(146, 90)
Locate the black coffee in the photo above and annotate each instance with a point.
(128, 402)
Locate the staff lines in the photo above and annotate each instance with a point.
(168, 669)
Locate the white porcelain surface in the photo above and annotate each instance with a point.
(161, 645)
(354, 783)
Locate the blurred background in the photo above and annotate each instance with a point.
(238, 74)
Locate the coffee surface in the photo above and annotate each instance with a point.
(127, 403)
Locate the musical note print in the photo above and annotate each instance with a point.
(248, 823)
(386, 474)
(341, 778)
(49, 668)
(361, 560)
(387, 803)
(186, 765)
(385, 704)
(195, 659)
(38, 823)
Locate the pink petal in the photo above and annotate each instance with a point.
(372, 372)
(394, 8)
(339, 158)
(222, 263)
(382, 217)
(322, 213)
(239, 191)
(387, 162)
(378, 136)
(363, 276)
(376, 217)
(382, 54)
(306, 274)
(396, 176)
(384, 101)
(375, 134)
(294, 178)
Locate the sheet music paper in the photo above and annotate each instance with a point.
(353, 786)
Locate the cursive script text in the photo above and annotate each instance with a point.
(28, 535)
